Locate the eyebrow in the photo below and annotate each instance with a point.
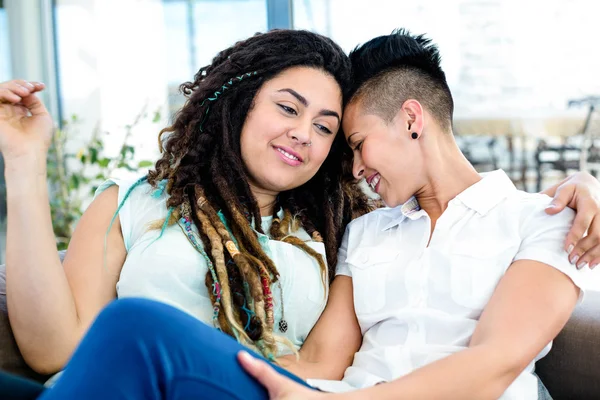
(302, 99)
(297, 95)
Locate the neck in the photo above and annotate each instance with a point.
(449, 174)
(266, 200)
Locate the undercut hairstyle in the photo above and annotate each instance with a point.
(202, 171)
(391, 69)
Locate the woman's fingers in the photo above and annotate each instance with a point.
(14, 91)
(8, 96)
(34, 105)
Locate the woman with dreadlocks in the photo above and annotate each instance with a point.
(238, 224)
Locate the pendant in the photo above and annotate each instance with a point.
(283, 326)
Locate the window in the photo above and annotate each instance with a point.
(5, 74)
(5, 67)
(114, 62)
(197, 30)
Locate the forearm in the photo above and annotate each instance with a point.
(313, 366)
(333, 341)
(41, 305)
(297, 366)
(475, 373)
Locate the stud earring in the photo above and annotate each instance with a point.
(414, 135)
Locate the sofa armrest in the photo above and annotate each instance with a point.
(570, 370)
(10, 356)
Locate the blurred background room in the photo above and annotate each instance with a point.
(524, 74)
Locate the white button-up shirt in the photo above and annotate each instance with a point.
(416, 303)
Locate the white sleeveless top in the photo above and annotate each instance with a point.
(171, 271)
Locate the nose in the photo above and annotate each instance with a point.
(358, 167)
(301, 133)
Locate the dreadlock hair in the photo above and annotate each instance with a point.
(390, 69)
(202, 169)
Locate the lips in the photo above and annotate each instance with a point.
(373, 182)
(288, 155)
(288, 152)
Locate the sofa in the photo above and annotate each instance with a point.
(571, 371)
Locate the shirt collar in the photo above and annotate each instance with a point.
(481, 197)
(410, 209)
(488, 192)
(265, 222)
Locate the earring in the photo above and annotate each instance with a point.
(414, 135)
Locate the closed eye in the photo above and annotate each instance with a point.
(288, 110)
(358, 146)
(323, 129)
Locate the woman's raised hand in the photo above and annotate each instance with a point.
(25, 125)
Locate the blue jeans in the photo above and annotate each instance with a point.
(141, 349)
(16, 388)
(543, 393)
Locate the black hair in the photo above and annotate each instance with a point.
(390, 69)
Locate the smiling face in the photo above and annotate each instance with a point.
(290, 128)
(385, 154)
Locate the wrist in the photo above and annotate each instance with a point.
(27, 165)
(26, 176)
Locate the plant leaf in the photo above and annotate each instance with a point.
(145, 164)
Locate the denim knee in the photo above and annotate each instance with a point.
(127, 309)
(130, 315)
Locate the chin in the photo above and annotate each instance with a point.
(278, 185)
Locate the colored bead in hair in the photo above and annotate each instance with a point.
(215, 96)
(160, 189)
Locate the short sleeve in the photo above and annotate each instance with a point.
(543, 238)
(136, 207)
(342, 267)
(106, 184)
(124, 209)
